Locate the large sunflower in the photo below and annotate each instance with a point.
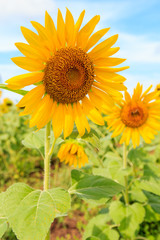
(139, 115)
(73, 78)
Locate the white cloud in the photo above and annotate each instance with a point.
(11, 8)
(139, 49)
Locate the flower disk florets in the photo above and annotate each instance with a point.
(69, 75)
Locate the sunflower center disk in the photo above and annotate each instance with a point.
(68, 75)
(134, 115)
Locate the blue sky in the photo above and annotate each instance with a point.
(137, 23)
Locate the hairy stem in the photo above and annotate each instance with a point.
(125, 177)
(48, 154)
(47, 157)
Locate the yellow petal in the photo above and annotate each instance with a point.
(43, 36)
(58, 120)
(111, 69)
(78, 120)
(42, 111)
(28, 63)
(31, 37)
(30, 52)
(69, 27)
(49, 25)
(31, 95)
(112, 92)
(61, 29)
(108, 62)
(77, 27)
(95, 38)
(103, 46)
(86, 31)
(144, 134)
(92, 113)
(127, 97)
(69, 121)
(26, 79)
(82, 117)
(48, 113)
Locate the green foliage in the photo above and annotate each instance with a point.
(3, 218)
(93, 187)
(30, 212)
(127, 217)
(98, 229)
(154, 201)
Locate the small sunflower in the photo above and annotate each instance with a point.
(72, 154)
(74, 78)
(7, 102)
(136, 116)
(0, 93)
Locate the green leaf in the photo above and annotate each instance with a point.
(153, 201)
(93, 187)
(92, 138)
(30, 212)
(92, 238)
(137, 155)
(35, 139)
(3, 218)
(129, 217)
(153, 185)
(21, 92)
(97, 228)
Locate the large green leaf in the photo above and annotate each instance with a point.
(129, 217)
(97, 228)
(153, 201)
(3, 218)
(21, 92)
(93, 187)
(30, 212)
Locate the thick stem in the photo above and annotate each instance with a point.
(125, 177)
(48, 154)
(47, 157)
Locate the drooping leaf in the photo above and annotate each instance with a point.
(129, 217)
(93, 187)
(21, 92)
(153, 201)
(3, 218)
(30, 212)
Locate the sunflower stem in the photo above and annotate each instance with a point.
(125, 177)
(48, 154)
(47, 157)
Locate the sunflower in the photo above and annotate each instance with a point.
(73, 78)
(136, 116)
(73, 154)
(7, 102)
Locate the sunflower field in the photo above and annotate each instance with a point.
(79, 154)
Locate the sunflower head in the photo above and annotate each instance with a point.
(72, 71)
(72, 154)
(136, 116)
